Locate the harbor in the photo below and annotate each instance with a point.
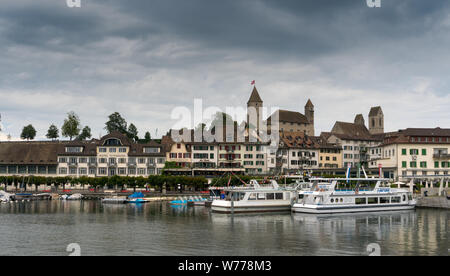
(159, 228)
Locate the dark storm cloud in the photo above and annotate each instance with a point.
(143, 57)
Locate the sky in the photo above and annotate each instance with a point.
(143, 58)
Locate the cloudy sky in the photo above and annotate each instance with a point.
(143, 58)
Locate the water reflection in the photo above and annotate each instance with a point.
(45, 228)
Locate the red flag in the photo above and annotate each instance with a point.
(253, 82)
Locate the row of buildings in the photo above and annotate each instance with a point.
(295, 148)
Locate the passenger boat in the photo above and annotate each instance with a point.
(255, 199)
(352, 195)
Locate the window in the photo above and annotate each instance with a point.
(436, 164)
(112, 149)
(141, 171)
(404, 164)
(423, 164)
(83, 171)
(270, 196)
(395, 199)
(424, 151)
(151, 150)
(360, 200)
(384, 200)
(102, 171)
(74, 149)
(102, 150)
(413, 164)
(403, 151)
(279, 196)
(122, 150)
(372, 200)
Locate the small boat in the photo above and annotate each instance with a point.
(6, 197)
(137, 197)
(75, 197)
(115, 200)
(333, 196)
(256, 198)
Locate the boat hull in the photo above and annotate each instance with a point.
(225, 208)
(321, 209)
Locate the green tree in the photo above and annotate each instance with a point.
(53, 132)
(133, 132)
(71, 126)
(116, 123)
(147, 137)
(85, 134)
(28, 133)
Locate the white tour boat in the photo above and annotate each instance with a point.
(256, 198)
(334, 197)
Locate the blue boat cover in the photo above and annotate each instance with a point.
(137, 195)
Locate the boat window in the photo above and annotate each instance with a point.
(261, 196)
(395, 199)
(301, 196)
(384, 199)
(404, 197)
(270, 196)
(342, 200)
(279, 196)
(410, 197)
(332, 200)
(241, 196)
(360, 200)
(252, 196)
(372, 200)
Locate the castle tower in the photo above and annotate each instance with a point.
(309, 113)
(254, 107)
(359, 120)
(376, 120)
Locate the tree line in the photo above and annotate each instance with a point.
(73, 129)
(153, 181)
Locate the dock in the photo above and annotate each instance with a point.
(440, 202)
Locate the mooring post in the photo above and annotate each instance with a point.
(232, 203)
(441, 187)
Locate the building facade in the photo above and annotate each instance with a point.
(415, 152)
(113, 154)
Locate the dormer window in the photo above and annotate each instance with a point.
(151, 150)
(74, 149)
(112, 142)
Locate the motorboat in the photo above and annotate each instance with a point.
(352, 195)
(115, 200)
(137, 197)
(6, 197)
(256, 198)
(194, 200)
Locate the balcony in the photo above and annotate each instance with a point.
(132, 163)
(441, 156)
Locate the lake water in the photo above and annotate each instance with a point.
(48, 227)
